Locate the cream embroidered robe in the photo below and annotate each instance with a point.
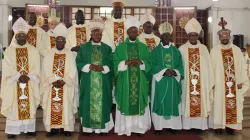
(114, 32)
(50, 40)
(60, 112)
(197, 86)
(229, 71)
(150, 40)
(20, 112)
(247, 60)
(77, 36)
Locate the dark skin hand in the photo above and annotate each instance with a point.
(96, 68)
(170, 73)
(58, 84)
(23, 79)
(133, 62)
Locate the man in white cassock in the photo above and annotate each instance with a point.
(167, 71)
(60, 87)
(78, 34)
(20, 83)
(231, 83)
(198, 80)
(147, 37)
(132, 63)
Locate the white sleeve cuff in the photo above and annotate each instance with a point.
(13, 78)
(142, 66)
(178, 77)
(122, 66)
(159, 75)
(86, 68)
(106, 70)
(34, 78)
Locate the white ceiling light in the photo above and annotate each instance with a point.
(10, 18)
(210, 19)
(214, 0)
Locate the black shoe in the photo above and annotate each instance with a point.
(158, 132)
(140, 135)
(67, 134)
(199, 132)
(218, 131)
(31, 134)
(10, 136)
(174, 132)
(86, 134)
(50, 134)
(230, 131)
(103, 134)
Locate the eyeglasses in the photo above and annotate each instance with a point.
(60, 40)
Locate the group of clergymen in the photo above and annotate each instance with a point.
(88, 67)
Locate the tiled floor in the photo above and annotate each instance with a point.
(209, 135)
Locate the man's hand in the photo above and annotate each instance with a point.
(213, 86)
(56, 84)
(62, 83)
(239, 86)
(96, 68)
(174, 73)
(23, 79)
(168, 73)
(137, 62)
(75, 49)
(128, 62)
(133, 62)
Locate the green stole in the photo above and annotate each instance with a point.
(134, 79)
(96, 90)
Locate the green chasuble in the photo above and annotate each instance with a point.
(95, 87)
(131, 92)
(168, 90)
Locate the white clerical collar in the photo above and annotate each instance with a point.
(148, 35)
(166, 46)
(19, 46)
(226, 46)
(118, 20)
(59, 51)
(131, 41)
(194, 46)
(80, 25)
(96, 44)
(33, 27)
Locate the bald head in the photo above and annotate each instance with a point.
(32, 19)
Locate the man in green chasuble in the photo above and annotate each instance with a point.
(132, 62)
(94, 62)
(167, 71)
